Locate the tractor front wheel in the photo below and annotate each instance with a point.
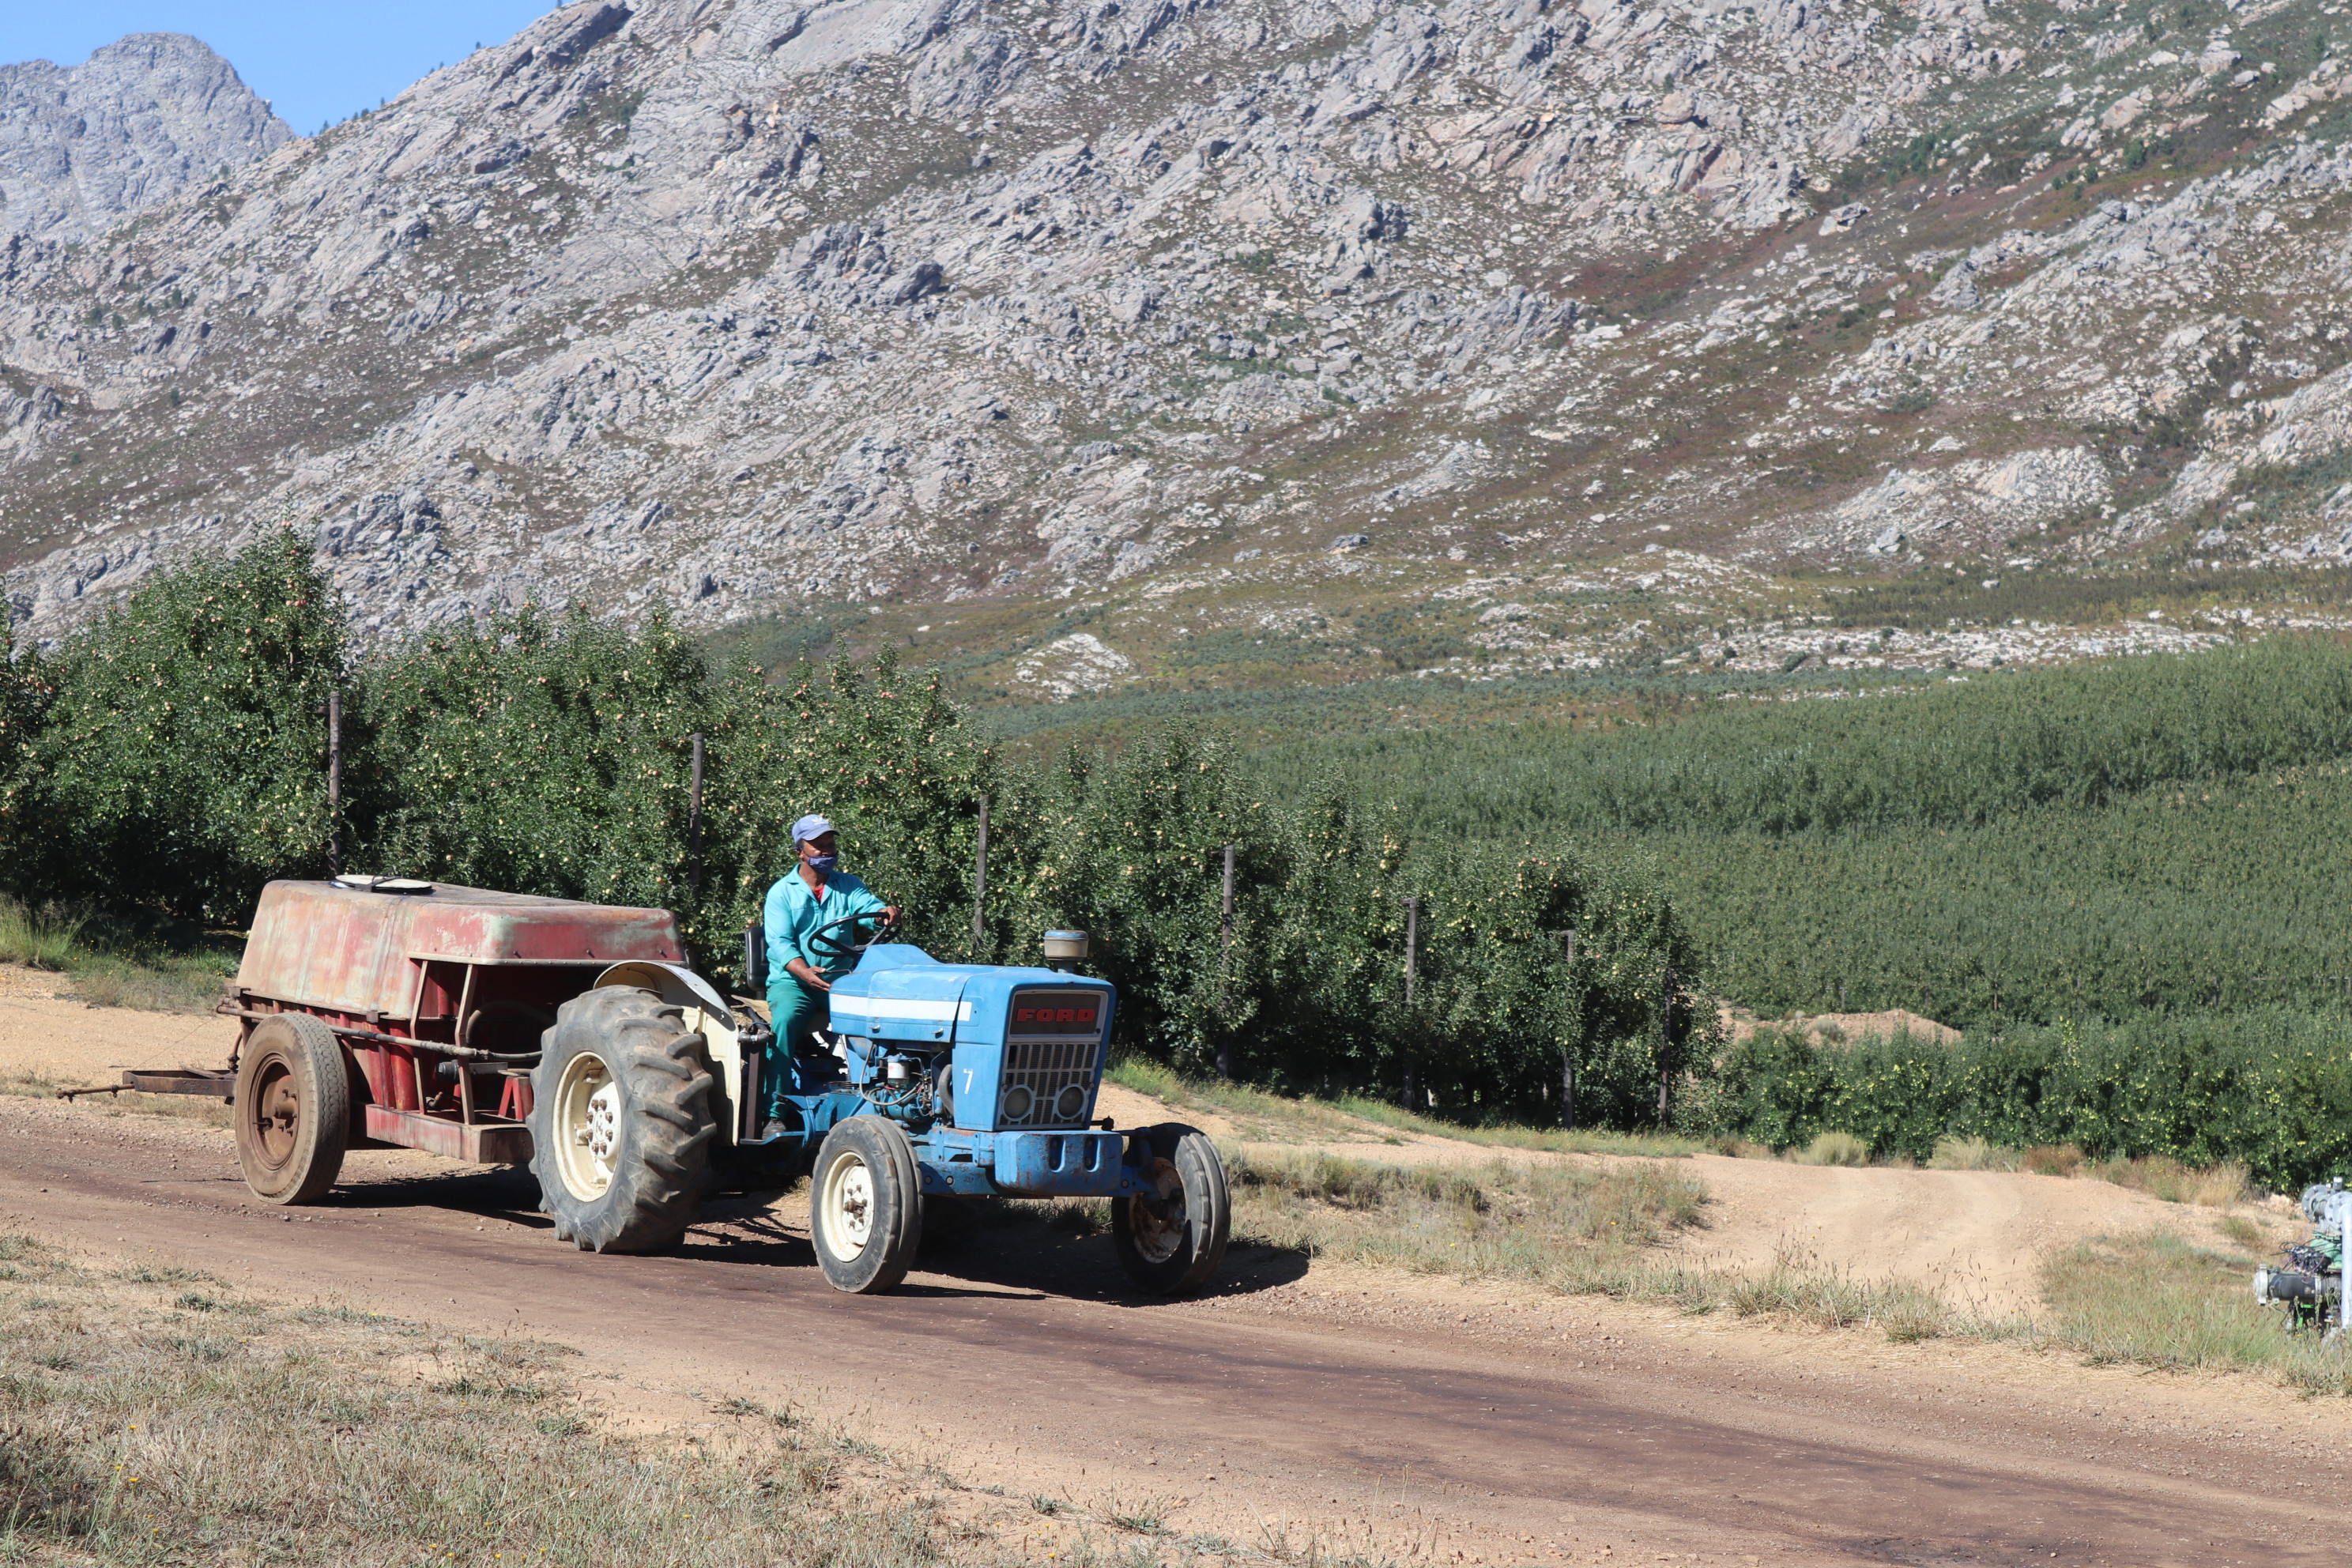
(865, 1205)
(293, 1108)
(1171, 1238)
(621, 1121)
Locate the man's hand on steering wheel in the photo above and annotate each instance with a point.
(839, 940)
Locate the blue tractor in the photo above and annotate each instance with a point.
(947, 1080)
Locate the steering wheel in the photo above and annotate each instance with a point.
(838, 941)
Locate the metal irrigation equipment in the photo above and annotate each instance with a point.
(2311, 1286)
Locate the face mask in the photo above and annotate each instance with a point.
(823, 862)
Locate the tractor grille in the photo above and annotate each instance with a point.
(1046, 1068)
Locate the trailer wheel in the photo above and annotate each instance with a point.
(293, 1108)
(865, 1205)
(621, 1123)
(1171, 1239)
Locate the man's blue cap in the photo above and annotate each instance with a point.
(810, 827)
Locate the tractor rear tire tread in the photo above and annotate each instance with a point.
(661, 1061)
(662, 1159)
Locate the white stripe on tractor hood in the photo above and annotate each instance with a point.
(903, 1008)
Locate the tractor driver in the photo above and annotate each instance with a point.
(813, 895)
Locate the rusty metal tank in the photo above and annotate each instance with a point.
(437, 995)
(375, 946)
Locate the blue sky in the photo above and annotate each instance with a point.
(316, 60)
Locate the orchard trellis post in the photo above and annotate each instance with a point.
(1412, 1032)
(1225, 977)
(1666, 1043)
(979, 883)
(1568, 1047)
(335, 780)
(694, 820)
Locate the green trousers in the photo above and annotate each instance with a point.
(794, 1063)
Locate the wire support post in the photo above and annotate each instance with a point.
(1226, 977)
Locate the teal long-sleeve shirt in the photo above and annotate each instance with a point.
(793, 912)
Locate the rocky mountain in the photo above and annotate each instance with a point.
(1244, 320)
(143, 118)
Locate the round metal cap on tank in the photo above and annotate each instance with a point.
(1065, 947)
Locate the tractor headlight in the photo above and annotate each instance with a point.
(1070, 1101)
(1017, 1101)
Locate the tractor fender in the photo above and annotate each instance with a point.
(700, 993)
(706, 1012)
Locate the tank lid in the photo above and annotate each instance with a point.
(406, 887)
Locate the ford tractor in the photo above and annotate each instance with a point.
(575, 1037)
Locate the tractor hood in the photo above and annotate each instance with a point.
(900, 993)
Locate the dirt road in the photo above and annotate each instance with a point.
(1369, 1413)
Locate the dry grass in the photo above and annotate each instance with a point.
(2242, 1230)
(2062, 1160)
(2215, 1186)
(1261, 1117)
(129, 1103)
(1801, 1286)
(1576, 1230)
(2157, 1301)
(155, 1416)
(112, 961)
(39, 938)
(1970, 1154)
(159, 986)
(1551, 1225)
(1833, 1149)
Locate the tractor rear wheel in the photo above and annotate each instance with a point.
(621, 1121)
(865, 1205)
(293, 1108)
(1171, 1239)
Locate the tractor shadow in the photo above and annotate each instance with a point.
(991, 1247)
(507, 1193)
(982, 1248)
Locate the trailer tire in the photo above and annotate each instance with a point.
(620, 1122)
(865, 1205)
(1171, 1241)
(293, 1108)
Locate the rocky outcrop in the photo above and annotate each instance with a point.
(137, 123)
(729, 304)
(1971, 507)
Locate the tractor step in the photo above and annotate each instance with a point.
(481, 1143)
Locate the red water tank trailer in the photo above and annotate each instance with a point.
(383, 1011)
